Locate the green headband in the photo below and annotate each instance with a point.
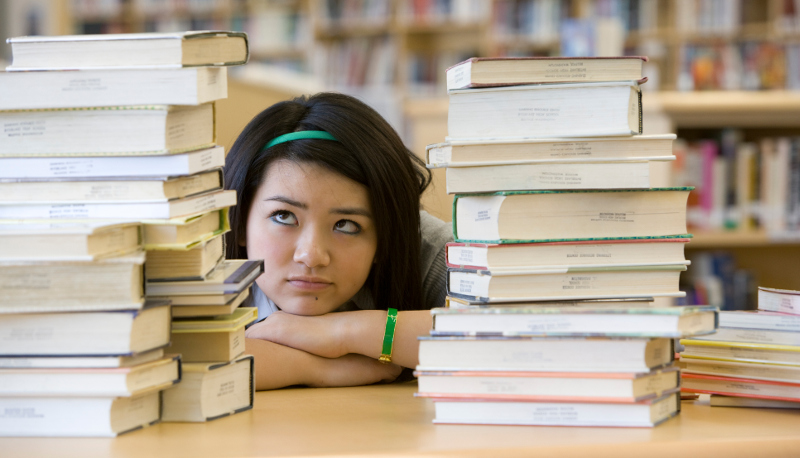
(318, 134)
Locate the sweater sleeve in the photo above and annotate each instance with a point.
(435, 234)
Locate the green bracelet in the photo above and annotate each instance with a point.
(388, 337)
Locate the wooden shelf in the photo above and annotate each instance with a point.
(439, 26)
(352, 29)
(282, 53)
(727, 108)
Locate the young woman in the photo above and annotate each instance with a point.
(329, 199)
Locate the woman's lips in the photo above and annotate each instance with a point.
(309, 283)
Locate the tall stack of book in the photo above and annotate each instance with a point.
(554, 202)
(754, 358)
(110, 179)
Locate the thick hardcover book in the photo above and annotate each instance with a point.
(77, 417)
(108, 333)
(550, 150)
(108, 88)
(124, 167)
(599, 253)
(732, 386)
(510, 71)
(109, 382)
(548, 386)
(513, 217)
(107, 131)
(45, 286)
(68, 241)
(550, 176)
(555, 110)
(211, 390)
(107, 190)
(129, 50)
(123, 210)
(575, 321)
(565, 283)
(644, 414)
(544, 354)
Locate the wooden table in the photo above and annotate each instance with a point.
(387, 420)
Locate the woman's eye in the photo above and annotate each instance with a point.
(284, 217)
(347, 226)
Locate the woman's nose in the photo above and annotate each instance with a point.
(312, 249)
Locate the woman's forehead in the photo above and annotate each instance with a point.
(311, 185)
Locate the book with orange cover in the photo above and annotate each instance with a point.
(741, 387)
(623, 387)
(645, 414)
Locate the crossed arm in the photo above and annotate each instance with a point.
(336, 349)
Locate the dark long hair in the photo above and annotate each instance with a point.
(369, 152)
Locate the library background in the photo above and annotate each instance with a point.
(723, 75)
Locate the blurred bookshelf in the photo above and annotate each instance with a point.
(723, 74)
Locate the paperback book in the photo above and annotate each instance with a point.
(504, 217)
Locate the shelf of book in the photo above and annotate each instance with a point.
(734, 239)
(692, 45)
(727, 108)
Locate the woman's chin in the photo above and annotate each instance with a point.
(306, 306)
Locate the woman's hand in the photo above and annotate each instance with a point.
(355, 370)
(322, 335)
(278, 366)
(341, 333)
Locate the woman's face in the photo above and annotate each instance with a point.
(314, 230)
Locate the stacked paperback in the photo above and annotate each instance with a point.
(110, 180)
(754, 358)
(562, 244)
(208, 332)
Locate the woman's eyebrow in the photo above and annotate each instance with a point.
(287, 201)
(351, 211)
